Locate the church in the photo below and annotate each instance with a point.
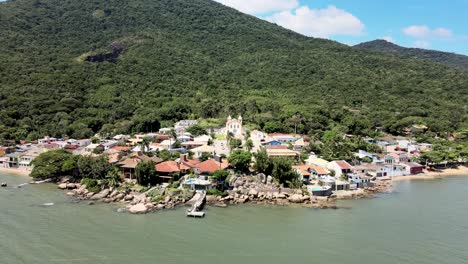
(234, 126)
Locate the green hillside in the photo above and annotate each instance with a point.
(447, 58)
(71, 68)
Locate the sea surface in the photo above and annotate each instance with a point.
(422, 222)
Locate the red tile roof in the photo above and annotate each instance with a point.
(121, 148)
(168, 167)
(210, 166)
(344, 165)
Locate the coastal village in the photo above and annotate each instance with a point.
(186, 167)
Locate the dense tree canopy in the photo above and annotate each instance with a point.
(74, 68)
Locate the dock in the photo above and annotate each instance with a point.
(195, 210)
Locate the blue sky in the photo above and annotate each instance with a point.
(432, 24)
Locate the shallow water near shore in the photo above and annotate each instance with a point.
(422, 222)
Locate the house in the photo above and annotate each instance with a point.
(282, 153)
(304, 172)
(234, 126)
(193, 144)
(129, 164)
(109, 144)
(83, 142)
(4, 162)
(202, 138)
(284, 138)
(413, 168)
(209, 166)
(299, 145)
(198, 151)
(185, 137)
(166, 144)
(13, 159)
(26, 158)
(314, 160)
(123, 149)
(257, 135)
(197, 184)
(92, 147)
(168, 169)
(341, 168)
(181, 126)
(46, 140)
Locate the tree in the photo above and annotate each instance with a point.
(196, 130)
(93, 167)
(240, 160)
(249, 145)
(113, 177)
(51, 164)
(220, 175)
(145, 172)
(283, 171)
(234, 143)
(263, 163)
(205, 156)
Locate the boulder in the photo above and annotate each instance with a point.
(253, 193)
(296, 198)
(138, 209)
(71, 186)
(89, 195)
(119, 196)
(222, 205)
(269, 179)
(114, 193)
(128, 197)
(149, 206)
(71, 193)
(101, 195)
(62, 186)
(160, 206)
(167, 199)
(211, 199)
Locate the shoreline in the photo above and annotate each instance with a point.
(433, 175)
(17, 172)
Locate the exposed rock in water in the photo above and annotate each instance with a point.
(138, 209)
(62, 186)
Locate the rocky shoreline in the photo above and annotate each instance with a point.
(247, 189)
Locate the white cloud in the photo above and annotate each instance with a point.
(389, 39)
(260, 6)
(417, 31)
(422, 44)
(443, 32)
(324, 23)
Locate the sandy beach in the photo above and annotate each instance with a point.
(14, 171)
(460, 171)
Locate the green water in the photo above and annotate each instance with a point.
(424, 222)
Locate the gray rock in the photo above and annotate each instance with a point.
(71, 193)
(119, 196)
(113, 194)
(160, 206)
(128, 197)
(62, 186)
(296, 198)
(101, 195)
(269, 179)
(71, 186)
(253, 193)
(138, 209)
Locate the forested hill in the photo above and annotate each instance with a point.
(447, 58)
(71, 68)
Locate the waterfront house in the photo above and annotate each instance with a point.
(340, 167)
(128, 164)
(26, 158)
(412, 168)
(304, 172)
(209, 166)
(168, 170)
(314, 160)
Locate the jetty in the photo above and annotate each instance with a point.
(199, 202)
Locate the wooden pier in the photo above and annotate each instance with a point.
(195, 210)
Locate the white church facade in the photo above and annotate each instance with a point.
(234, 126)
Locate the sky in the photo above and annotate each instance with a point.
(430, 24)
